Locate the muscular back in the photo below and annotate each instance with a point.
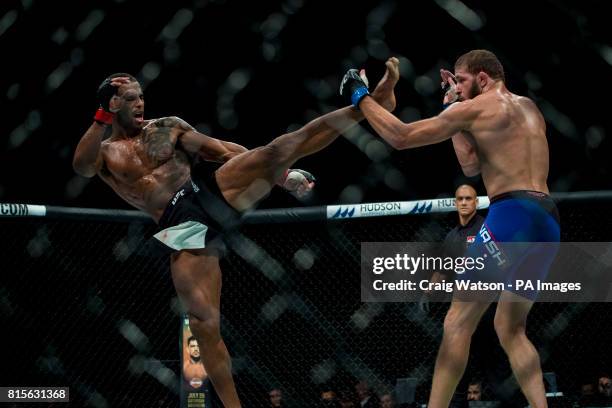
(145, 170)
(510, 136)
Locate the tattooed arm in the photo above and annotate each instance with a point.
(206, 147)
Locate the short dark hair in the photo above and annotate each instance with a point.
(190, 339)
(122, 74)
(476, 61)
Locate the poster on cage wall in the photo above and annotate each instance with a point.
(195, 385)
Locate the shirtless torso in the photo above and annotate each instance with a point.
(146, 169)
(495, 132)
(508, 134)
(502, 136)
(145, 162)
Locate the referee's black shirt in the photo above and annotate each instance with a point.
(458, 239)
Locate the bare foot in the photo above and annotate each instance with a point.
(384, 91)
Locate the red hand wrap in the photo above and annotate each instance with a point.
(104, 117)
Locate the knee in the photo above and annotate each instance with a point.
(283, 149)
(508, 332)
(274, 157)
(271, 152)
(205, 330)
(456, 328)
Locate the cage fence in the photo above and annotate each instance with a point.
(88, 303)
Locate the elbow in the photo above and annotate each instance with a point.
(400, 139)
(236, 150)
(469, 161)
(83, 170)
(471, 170)
(227, 157)
(398, 143)
(403, 142)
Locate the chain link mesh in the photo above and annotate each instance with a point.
(89, 305)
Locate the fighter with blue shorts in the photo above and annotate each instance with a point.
(502, 137)
(518, 241)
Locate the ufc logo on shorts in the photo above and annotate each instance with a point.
(178, 195)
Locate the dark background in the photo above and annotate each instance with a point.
(75, 295)
(293, 54)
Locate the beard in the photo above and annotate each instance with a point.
(123, 119)
(475, 90)
(195, 359)
(126, 121)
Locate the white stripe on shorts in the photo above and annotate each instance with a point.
(187, 235)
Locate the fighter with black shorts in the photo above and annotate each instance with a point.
(148, 163)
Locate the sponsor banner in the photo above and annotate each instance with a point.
(437, 205)
(22, 210)
(516, 271)
(195, 385)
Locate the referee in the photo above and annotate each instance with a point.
(458, 239)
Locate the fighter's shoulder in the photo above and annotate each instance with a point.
(169, 122)
(469, 108)
(487, 99)
(109, 144)
(526, 102)
(110, 150)
(495, 103)
(528, 106)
